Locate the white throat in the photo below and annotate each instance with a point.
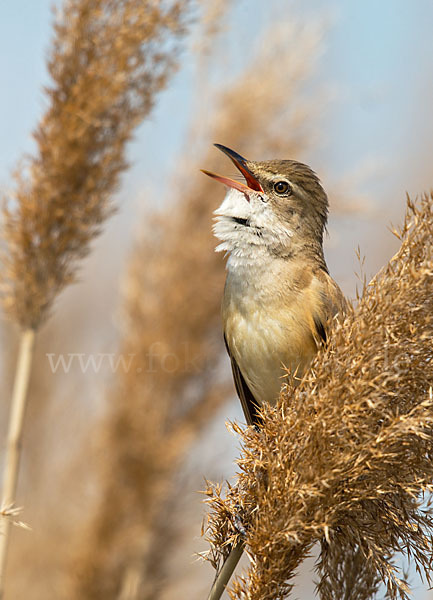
(247, 229)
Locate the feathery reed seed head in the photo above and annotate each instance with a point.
(172, 303)
(107, 63)
(347, 457)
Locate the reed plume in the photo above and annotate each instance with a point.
(106, 67)
(172, 328)
(107, 63)
(346, 460)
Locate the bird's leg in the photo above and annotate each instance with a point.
(239, 521)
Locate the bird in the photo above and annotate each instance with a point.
(279, 298)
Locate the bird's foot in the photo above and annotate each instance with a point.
(239, 521)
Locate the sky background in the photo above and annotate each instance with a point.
(375, 132)
(377, 57)
(376, 69)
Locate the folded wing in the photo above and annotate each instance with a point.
(248, 402)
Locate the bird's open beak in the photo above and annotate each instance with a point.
(241, 164)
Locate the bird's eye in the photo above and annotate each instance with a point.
(282, 188)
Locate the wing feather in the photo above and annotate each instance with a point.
(333, 302)
(248, 402)
(323, 300)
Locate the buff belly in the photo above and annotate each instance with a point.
(267, 344)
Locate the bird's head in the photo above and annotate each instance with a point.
(281, 209)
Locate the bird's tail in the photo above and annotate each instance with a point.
(223, 576)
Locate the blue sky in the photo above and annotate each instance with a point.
(24, 39)
(376, 54)
(377, 61)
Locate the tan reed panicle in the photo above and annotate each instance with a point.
(171, 307)
(347, 458)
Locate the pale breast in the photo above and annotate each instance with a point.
(267, 334)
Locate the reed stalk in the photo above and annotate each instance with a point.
(223, 577)
(14, 440)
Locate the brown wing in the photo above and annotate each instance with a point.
(333, 302)
(248, 402)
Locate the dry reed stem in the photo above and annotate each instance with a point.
(13, 449)
(346, 458)
(224, 575)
